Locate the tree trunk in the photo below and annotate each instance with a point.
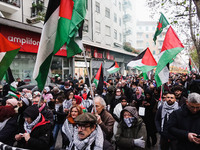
(197, 5)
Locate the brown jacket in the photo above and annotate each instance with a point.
(107, 124)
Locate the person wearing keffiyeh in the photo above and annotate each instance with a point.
(38, 134)
(88, 135)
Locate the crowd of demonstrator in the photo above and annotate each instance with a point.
(130, 114)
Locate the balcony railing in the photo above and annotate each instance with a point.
(12, 2)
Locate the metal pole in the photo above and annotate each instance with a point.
(89, 79)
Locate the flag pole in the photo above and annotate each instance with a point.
(89, 79)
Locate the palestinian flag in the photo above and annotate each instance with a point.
(8, 51)
(8, 76)
(144, 61)
(171, 47)
(114, 68)
(161, 25)
(62, 21)
(98, 80)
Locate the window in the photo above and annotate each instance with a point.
(120, 6)
(115, 17)
(107, 30)
(147, 36)
(147, 44)
(154, 52)
(120, 37)
(160, 43)
(120, 22)
(98, 27)
(107, 12)
(153, 28)
(97, 7)
(147, 28)
(115, 34)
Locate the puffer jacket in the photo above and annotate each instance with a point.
(125, 136)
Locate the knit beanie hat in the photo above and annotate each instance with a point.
(32, 112)
(13, 102)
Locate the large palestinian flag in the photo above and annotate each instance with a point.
(114, 68)
(62, 21)
(98, 80)
(171, 47)
(8, 51)
(144, 61)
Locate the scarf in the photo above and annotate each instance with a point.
(140, 90)
(117, 97)
(129, 121)
(28, 127)
(96, 136)
(68, 130)
(67, 104)
(167, 110)
(2, 124)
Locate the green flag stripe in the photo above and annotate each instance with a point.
(62, 33)
(167, 57)
(113, 70)
(6, 61)
(43, 72)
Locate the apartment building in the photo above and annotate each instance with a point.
(21, 21)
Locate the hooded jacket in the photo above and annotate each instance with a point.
(125, 136)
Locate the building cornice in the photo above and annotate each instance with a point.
(19, 25)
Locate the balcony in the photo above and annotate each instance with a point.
(9, 6)
(37, 13)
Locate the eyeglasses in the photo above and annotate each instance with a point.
(193, 107)
(82, 127)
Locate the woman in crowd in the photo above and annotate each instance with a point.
(38, 131)
(116, 100)
(149, 104)
(68, 102)
(69, 125)
(131, 132)
(138, 97)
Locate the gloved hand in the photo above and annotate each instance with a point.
(139, 142)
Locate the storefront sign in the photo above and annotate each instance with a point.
(29, 41)
(109, 57)
(97, 54)
(81, 64)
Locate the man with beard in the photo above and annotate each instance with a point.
(178, 91)
(184, 124)
(161, 119)
(88, 134)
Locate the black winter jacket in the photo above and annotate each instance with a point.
(40, 136)
(182, 122)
